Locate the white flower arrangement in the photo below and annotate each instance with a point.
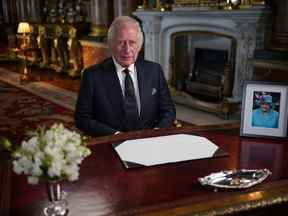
(52, 154)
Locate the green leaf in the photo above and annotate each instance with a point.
(6, 144)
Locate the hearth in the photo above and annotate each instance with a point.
(206, 80)
(199, 60)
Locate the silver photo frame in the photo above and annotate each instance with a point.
(264, 111)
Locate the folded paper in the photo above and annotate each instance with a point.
(165, 149)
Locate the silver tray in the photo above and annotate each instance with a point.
(235, 179)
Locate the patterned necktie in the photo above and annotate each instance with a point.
(130, 104)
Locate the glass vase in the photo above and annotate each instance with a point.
(57, 205)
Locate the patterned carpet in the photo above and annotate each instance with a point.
(25, 107)
(22, 111)
(45, 88)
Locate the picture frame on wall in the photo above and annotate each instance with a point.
(264, 111)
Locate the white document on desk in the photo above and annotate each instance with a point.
(165, 149)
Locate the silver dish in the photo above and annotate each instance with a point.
(235, 179)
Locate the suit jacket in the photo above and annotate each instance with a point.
(99, 108)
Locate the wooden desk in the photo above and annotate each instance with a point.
(105, 187)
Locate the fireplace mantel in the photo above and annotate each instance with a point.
(247, 26)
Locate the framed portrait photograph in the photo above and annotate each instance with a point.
(264, 110)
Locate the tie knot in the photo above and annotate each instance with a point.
(126, 71)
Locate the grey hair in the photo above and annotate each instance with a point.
(118, 23)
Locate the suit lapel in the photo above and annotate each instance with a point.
(114, 89)
(142, 90)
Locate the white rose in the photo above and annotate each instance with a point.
(26, 164)
(18, 169)
(33, 180)
(38, 157)
(36, 170)
(55, 169)
(49, 136)
(57, 150)
(72, 172)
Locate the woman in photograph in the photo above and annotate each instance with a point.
(265, 115)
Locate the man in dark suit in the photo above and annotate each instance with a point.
(111, 101)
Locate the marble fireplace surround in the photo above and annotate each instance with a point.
(246, 26)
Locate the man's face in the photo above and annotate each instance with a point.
(265, 107)
(125, 45)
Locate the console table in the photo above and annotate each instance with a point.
(106, 187)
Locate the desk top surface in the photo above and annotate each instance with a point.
(106, 187)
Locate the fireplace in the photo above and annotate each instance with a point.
(199, 60)
(181, 33)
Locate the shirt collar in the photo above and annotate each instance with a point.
(119, 68)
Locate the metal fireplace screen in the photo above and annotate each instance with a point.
(208, 73)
